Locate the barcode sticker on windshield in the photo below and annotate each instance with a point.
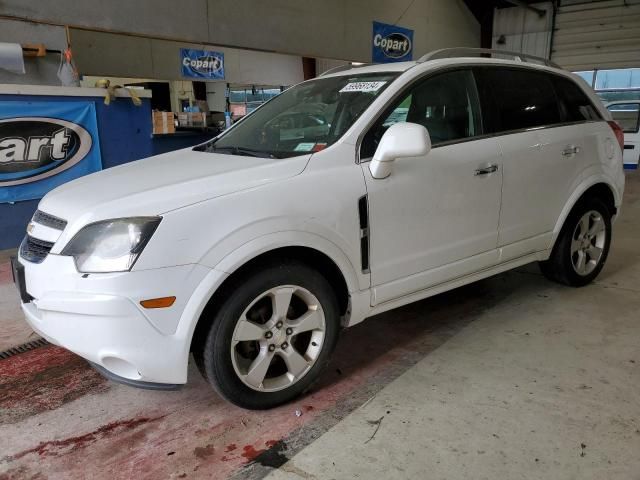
(304, 147)
(362, 87)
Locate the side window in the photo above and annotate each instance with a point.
(446, 104)
(627, 115)
(399, 113)
(575, 103)
(523, 98)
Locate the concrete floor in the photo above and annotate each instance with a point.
(512, 377)
(14, 331)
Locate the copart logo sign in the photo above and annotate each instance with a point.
(34, 148)
(202, 64)
(391, 43)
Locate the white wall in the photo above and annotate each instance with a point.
(215, 96)
(39, 70)
(100, 54)
(523, 30)
(339, 29)
(90, 81)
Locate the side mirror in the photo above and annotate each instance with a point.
(401, 140)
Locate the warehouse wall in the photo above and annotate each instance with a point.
(520, 29)
(41, 70)
(110, 54)
(339, 29)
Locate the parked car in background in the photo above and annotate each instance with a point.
(627, 114)
(253, 250)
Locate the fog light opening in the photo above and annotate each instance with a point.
(121, 367)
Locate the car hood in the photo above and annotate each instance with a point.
(158, 184)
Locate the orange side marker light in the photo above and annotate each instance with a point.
(162, 302)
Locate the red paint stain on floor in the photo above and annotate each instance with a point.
(55, 448)
(195, 419)
(34, 361)
(44, 379)
(250, 453)
(204, 452)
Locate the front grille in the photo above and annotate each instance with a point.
(34, 250)
(49, 220)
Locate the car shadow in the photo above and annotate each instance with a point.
(395, 340)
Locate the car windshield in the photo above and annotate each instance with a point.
(304, 119)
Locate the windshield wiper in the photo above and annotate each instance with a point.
(242, 151)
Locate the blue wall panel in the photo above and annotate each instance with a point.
(125, 135)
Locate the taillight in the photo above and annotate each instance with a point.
(618, 132)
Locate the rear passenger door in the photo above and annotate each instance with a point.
(542, 155)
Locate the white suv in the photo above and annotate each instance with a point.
(348, 195)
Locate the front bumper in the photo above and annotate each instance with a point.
(99, 316)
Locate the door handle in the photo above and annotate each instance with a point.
(570, 150)
(486, 170)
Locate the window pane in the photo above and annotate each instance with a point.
(254, 95)
(237, 96)
(251, 106)
(525, 99)
(619, 95)
(618, 79)
(587, 76)
(627, 115)
(270, 93)
(446, 104)
(577, 106)
(399, 113)
(311, 115)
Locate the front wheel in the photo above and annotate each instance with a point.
(582, 246)
(272, 336)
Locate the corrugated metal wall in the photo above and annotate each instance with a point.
(520, 29)
(597, 34)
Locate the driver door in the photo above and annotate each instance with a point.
(435, 217)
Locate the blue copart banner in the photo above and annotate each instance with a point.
(391, 43)
(45, 144)
(202, 64)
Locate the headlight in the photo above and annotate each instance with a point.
(110, 245)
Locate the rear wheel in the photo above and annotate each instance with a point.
(582, 246)
(272, 337)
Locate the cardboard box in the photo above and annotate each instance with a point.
(192, 119)
(163, 122)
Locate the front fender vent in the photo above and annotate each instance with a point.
(363, 214)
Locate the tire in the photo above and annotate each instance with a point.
(574, 260)
(246, 334)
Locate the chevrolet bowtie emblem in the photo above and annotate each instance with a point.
(30, 227)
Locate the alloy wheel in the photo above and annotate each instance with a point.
(278, 338)
(587, 243)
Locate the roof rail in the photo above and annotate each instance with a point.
(341, 68)
(472, 52)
